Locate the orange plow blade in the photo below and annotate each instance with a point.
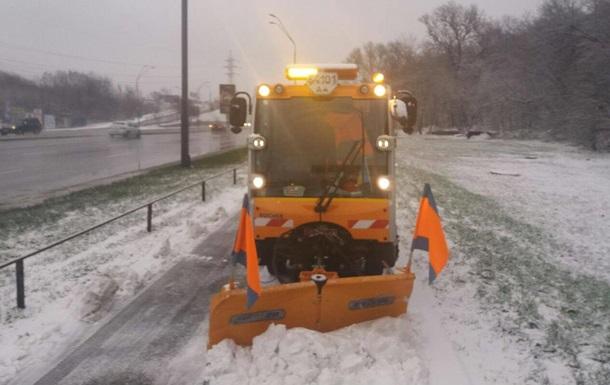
(338, 303)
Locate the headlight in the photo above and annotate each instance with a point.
(383, 182)
(256, 142)
(264, 90)
(385, 143)
(379, 90)
(258, 181)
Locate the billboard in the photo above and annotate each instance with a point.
(226, 94)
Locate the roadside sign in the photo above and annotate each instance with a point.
(226, 94)
(323, 83)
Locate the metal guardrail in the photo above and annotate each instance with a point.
(18, 262)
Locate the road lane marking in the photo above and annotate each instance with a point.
(117, 155)
(11, 171)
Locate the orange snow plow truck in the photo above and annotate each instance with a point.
(322, 203)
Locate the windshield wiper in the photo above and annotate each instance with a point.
(329, 192)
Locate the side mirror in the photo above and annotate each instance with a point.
(410, 108)
(398, 110)
(238, 112)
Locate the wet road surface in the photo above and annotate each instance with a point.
(33, 168)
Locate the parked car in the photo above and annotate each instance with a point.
(124, 129)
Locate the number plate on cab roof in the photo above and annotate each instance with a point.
(323, 83)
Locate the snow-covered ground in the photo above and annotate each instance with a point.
(525, 298)
(72, 287)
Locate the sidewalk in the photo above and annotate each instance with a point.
(140, 343)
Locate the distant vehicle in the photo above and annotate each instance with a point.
(124, 129)
(27, 125)
(217, 126)
(7, 128)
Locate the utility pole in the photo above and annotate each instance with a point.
(230, 66)
(185, 158)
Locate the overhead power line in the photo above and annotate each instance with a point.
(61, 54)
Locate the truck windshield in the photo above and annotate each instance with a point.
(309, 140)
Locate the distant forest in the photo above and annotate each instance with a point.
(85, 96)
(546, 75)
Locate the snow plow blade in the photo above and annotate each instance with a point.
(340, 302)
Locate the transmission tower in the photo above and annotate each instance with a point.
(230, 66)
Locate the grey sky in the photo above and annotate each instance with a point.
(119, 36)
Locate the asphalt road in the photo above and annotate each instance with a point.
(142, 344)
(33, 168)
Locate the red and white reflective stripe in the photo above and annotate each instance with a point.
(362, 224)
(273, 222)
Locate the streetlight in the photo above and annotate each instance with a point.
(140, 74)
(276, 21)
(207, 85)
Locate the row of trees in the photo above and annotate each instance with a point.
(85, 96)
(545, 74)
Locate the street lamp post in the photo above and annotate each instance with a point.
(276, 21)
(185, 158)
(205, 84)
(140, 74)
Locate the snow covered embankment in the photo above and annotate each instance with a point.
(72, 288)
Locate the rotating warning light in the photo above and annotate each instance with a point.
(301, 73)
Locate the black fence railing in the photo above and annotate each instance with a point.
(18, 262)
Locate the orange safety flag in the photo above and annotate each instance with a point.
(244, 252)
(429, 235)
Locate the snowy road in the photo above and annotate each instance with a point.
(138, 345)
(30, 169)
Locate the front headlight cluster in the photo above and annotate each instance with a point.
(256, 142)
(385, 143)
(257, 181)
(383, 182)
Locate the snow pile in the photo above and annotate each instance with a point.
(377, 352)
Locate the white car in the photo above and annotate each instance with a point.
(124, 129)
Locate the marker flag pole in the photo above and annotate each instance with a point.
(429, 235)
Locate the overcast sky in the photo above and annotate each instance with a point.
(117, 37)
